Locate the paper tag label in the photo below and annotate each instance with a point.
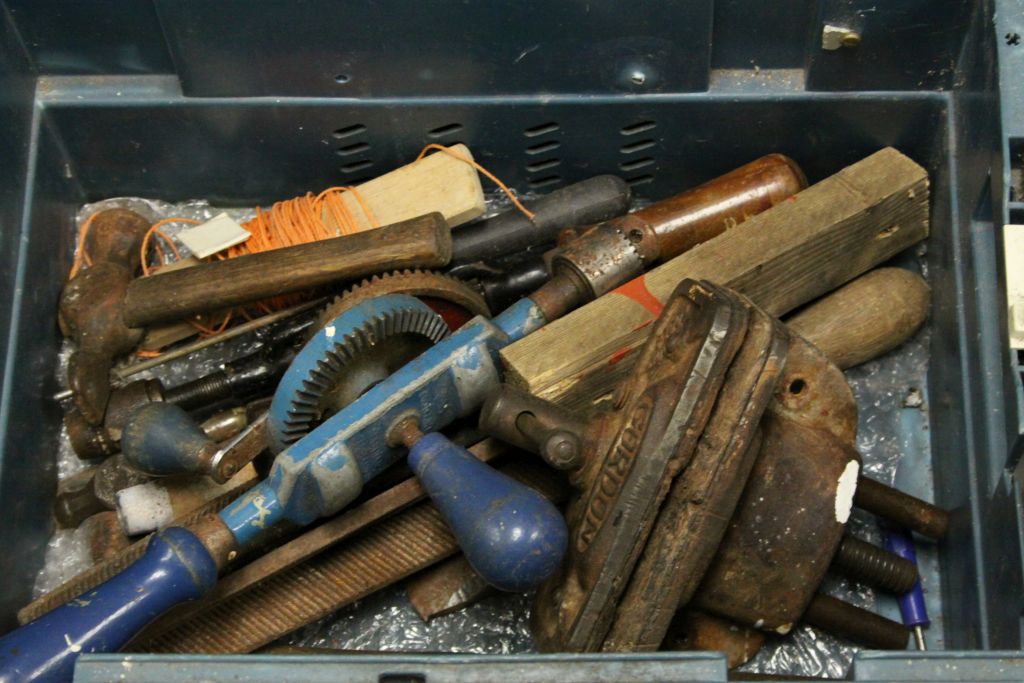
(216, 234)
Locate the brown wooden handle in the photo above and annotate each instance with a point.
(423, 242)
(868, 317)
(695, 216)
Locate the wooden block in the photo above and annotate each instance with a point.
(437, 182)
(792, 253)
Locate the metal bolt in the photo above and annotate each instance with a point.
(560, 448)
(856, 624)
(904, 510)
(406, 431)
(874, 566)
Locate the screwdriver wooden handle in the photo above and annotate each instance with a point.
(681, 222)
(695, 216)
(423, 242)
(869, 316)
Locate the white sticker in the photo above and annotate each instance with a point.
(216, 234)
(845, 489)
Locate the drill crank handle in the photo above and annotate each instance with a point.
(175, 568)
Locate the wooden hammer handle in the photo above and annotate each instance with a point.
(869, 316)
(423, 242)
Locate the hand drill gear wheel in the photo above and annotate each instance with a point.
(349, 355)
(452, 298)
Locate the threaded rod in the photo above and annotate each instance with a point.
(874, 566)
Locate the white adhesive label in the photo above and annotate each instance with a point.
(216, 234)
(845, 489)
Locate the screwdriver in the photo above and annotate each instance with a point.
(912, 607)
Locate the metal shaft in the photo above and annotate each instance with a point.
(853, 623)
(874, 566)
(904, 510)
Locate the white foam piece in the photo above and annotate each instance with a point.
(144, 508)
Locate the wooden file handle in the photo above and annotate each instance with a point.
(423, 242)
(869, 316)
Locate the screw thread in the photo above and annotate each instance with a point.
(199, 392)
(874, 566)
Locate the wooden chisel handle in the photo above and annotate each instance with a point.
(695, 216)
(869, 316)
(423, 242)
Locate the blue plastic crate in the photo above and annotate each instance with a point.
(244, 102)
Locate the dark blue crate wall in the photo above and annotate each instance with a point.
(17, 86)
(380, 48)
(92, 36)
(30, 179)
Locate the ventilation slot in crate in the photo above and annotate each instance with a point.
(349, 150)
(542, 129)
(634, 147)
(542, 165)
(543, 147)
(356, 166)
(545, 181)
(636, 164)
(444, 131)
(349, 131)
(640, 180)
(638, 127)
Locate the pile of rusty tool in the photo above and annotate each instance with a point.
(696, 431)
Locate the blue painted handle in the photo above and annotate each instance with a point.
(161, 438)
(513, 536)
(912, 607)
(175, 568)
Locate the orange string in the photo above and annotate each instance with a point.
(80, 254)
(155, 230)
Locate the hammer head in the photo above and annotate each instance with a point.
(115, 235)
(90, 308)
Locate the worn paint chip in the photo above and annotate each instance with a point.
(845, 489)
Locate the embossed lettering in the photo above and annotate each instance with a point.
(616, 468)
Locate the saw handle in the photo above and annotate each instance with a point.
(513, 536)
(175, 568)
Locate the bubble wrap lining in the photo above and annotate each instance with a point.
(499, 624)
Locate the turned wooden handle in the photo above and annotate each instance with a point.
(696, 215)
(868, 317)
(423, 242)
